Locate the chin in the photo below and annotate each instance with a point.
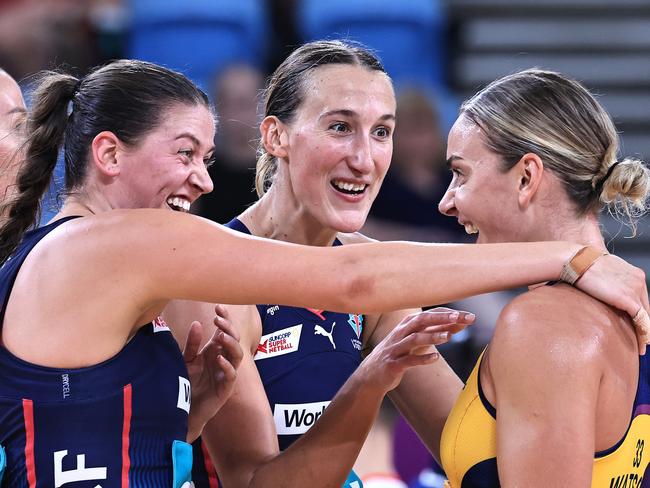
(348, 222)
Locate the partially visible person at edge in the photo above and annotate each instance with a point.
(12, 118)
(326, 145)
(560, 397)
(102, 399)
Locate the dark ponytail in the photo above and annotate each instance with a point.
(126, 97)
(46, 126)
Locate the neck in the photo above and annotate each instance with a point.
(85, 202)
(581, 230)
(276, 216)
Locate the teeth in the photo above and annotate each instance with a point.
(349, 186)
(179, 203)
(470, 229)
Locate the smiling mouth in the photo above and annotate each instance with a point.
(179, 204)
(470, 228)
(349, 188)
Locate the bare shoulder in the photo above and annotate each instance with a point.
(551, 324)
(353, 238)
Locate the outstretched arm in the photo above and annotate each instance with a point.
(426, 395)
(171, 255)
(242, 438)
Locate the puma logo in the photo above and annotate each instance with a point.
(318, 330)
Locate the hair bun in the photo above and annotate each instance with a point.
(625, 187)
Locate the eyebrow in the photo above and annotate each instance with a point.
(17, 110)
(351, 113)
(187, 135)
(451, 159)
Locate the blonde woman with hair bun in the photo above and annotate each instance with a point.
(533, 157)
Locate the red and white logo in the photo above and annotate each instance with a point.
(279, 342)
(159, 325)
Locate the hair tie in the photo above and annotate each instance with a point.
(75, 90)
(599, 186)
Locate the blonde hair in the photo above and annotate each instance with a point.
(555, 117)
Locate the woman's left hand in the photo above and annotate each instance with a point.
(212, 369)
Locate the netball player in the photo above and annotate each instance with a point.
(561, 396)
(94, 389)
(326, 146)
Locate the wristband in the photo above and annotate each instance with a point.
(579, 263)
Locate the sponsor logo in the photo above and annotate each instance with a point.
(65, 385)
(80, 473)
(278, 343)
(318, 313)
(356, 322)
(159, 325)
(356, 344)
(272, 310)
(184, 394)
(318, 330)
(297, 418)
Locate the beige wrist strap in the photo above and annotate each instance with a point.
(579, 263)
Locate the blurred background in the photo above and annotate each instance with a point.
(438, 53)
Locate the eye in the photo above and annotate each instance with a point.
(209, 161)
(383, 132)
(20, 123)
(340, 127)
(186, 153)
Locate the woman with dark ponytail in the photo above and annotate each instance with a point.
(89, 395)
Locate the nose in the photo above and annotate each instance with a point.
(200, 178)
(447, 206)
(362, 161)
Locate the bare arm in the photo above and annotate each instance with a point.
(242, 438)
(326, 453)
(426, 395)
(242, 435)
(546, 387)
(171, 255)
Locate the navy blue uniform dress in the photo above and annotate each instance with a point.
(303, 359)
(121, 423)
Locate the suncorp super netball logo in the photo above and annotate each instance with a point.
(279, 342)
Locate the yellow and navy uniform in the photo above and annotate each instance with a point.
(468, 446)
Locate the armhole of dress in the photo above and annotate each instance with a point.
(486, 404)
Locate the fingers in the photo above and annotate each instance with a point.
(193, 341)
(420, 343)
(642, 324)
(228, 370)
(230, 348)
(435, 317)
(223, 322)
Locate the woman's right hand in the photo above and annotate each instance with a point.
(409, 344)
(619, 284)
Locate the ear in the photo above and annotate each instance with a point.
(104, 149)
(530, 170)
(275, 137)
